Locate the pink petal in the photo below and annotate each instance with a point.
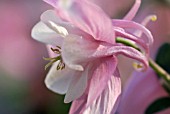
(131, 14)
(52, 2)
(106, 103)
(137, 40)
(140, 91)
(77, 50)
(79, 105)
(135, 26)
(89, 18)
(51, 15)
(124, 50)
(100, 77)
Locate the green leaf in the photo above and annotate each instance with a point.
(158, 105)
(163, 57)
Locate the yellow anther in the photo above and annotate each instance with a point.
(153, 17)
(138, 66)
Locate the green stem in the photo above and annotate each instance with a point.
(159, 70)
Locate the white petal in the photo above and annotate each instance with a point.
(65, 3)
(41, 32)
(77, 50)
(51, 16)
(59, 80)
(77, 86)
(58, 29)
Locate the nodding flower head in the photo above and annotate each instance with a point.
(85, 59)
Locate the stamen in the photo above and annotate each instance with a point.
(57, 51)
(154, 18)
(145, 22)
(148, 19)
(61, 64)
(138, 66)
(49, 64)
(52, 60)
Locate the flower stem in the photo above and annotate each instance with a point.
(159, 70)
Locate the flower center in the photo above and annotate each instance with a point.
(61, 31)
(58, 58)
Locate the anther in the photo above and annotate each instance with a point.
(57, 51)
(60, 65)
(138, 66)
(148, 19)
(154, 18)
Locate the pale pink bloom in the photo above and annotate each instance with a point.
(141, 90)
(86, 36)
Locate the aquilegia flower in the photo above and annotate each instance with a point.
(84, 60)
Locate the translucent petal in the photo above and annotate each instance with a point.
(107, 101)
(140, 42)
(131, 14)
(59, 80)
(89, 18)
(51, 17)
(78, 85)
(124, 50)
(52, 2)
(100, 77)
(41, 32)
(135, 26)
(76, 50)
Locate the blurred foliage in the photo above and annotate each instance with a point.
(15, 98)
(58, 106)
(163, 2)
(158, 105)
(12, 96)
(163, 57)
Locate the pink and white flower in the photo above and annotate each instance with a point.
(86, 53)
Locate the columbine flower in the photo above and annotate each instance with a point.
(85, 64)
